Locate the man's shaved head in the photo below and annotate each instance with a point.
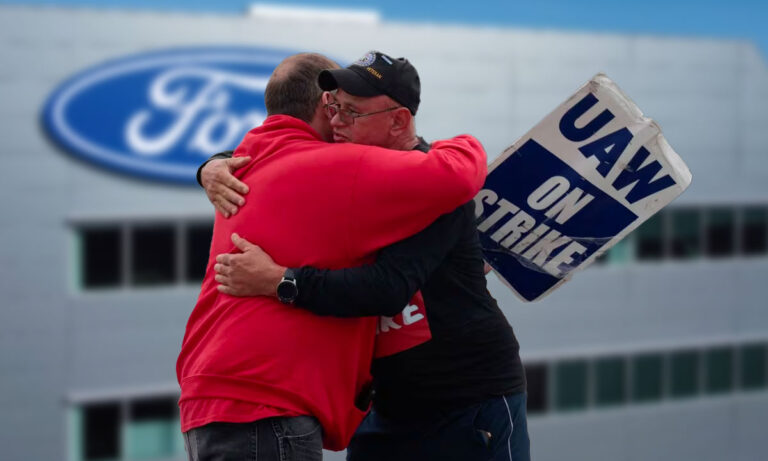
(292, 89)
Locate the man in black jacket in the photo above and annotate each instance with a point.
(447, 377)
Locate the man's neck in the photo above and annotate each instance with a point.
(405, 143)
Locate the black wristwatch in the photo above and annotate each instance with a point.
(287, 290)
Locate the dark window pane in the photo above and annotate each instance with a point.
(536, 377)
(154, 255)
(650, 244)
(198, 248)
(647, 372)
(720, 232)
(571, 391)
(101, 434)
(686, 227)
(610, 381)
(754, 231)
(153, 409)
(684, 373)
(719, 370)
(101, 256)
(753, 374)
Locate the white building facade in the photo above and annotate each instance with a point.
(660, 351)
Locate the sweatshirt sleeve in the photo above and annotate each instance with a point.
(398, 193)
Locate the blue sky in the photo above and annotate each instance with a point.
(738, 19)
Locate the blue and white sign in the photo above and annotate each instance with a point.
(583, 178)
(160, 114)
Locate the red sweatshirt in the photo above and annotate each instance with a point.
(320, 204)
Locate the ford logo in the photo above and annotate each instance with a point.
(161, 114)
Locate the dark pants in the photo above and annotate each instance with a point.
(493, 430)
(273, 439)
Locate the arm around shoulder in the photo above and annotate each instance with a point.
(466, 166)
(398, 193)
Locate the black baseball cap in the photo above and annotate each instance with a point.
(375, 74)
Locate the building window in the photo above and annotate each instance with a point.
(688, 233)
(720, 233)
(719, 365)
(198, 247)
(647, 377)
(684, 373)
(143, 254)
(754, 231)
(101, 432)
(537, 386)
(610, 381)
(101, 257)
(686, 229)
(128, 429)
(571, 384)
(649, 238)
(152, 429)
(620, 253)
(753, 366)
(153, 256)
(577, 384)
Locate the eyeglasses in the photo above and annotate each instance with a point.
(348, 116)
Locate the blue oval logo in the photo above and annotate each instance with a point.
(161, 114)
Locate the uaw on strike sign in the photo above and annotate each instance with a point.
(583, 178)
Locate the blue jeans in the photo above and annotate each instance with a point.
(297, 438)
(493, 430)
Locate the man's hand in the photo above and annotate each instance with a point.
(223, 189)
(250, 273)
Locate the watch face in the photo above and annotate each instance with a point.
(287, 291)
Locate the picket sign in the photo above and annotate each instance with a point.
(572, 187)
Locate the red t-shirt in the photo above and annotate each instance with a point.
(319, 204)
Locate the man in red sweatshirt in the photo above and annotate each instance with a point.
(273, 371)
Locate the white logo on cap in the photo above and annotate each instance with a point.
(366, 60)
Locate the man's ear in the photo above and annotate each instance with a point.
(401, 121)
(325, 98)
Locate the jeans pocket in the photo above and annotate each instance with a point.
(297, 426)
(299, 438)
(492, 423)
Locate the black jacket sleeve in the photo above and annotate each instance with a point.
(386, 286)
(225, 154)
